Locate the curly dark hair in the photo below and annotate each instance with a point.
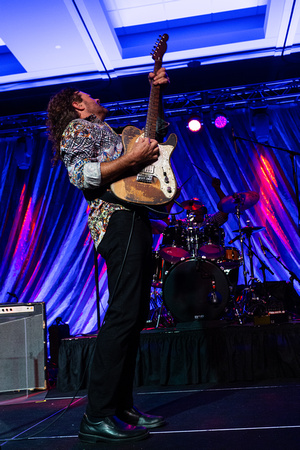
(60, 112)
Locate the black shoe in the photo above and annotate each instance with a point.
(109, 429)
(137, 418)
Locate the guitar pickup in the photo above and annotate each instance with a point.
(144, 178)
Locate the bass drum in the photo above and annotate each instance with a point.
(195, 288)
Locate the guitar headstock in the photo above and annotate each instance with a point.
(160, 48)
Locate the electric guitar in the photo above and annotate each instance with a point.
(156, 183)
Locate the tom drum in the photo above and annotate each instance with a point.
(173, 247)
(211, 242)
(231, 258)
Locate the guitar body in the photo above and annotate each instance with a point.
(156, 183)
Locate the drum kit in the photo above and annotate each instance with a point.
(195, 274)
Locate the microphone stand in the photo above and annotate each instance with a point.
(293, 276)
(263, 267)
(240, 237)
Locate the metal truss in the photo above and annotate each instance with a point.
(128, 111)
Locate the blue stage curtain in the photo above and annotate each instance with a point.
(46, 248)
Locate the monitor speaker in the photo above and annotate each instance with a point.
(23, 346)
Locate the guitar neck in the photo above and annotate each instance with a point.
(153, 108)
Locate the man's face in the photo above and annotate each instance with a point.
(89, 105)
(199, 216)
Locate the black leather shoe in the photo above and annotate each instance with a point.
(137, 418)
(109, 429)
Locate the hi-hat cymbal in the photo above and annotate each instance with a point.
(193, 205)
(158, 226)
(243, 200)
(249, 230)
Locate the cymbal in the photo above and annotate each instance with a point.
(193, 205)
(158, 226)
(249, 230)
(242, 199)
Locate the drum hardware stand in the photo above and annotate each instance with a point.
(192, 237)
(160, 315)
(255, 303)
(168, 320)
(237, 203)
(238, 215)
(239, 315)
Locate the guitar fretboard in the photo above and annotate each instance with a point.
(150, 127)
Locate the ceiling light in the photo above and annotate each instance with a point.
(194, 123)
(260, 123)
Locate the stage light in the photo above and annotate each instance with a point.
(194, 124)
(220, 120)
(260, 123)
(23, 152)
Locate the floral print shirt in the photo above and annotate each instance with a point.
(85, 144)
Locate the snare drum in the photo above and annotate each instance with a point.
(174, 242)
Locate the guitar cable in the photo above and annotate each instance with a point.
(166, 213)
(3, 440)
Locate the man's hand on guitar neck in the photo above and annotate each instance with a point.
(160, 78)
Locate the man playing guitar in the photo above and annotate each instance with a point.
(94, 157)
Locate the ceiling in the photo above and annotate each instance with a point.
(97, 44)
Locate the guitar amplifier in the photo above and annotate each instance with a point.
(23, 349)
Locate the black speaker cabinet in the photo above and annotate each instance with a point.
(23, 346)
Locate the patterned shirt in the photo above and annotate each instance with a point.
(85, 144)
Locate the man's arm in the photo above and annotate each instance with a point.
(144, 152)
(216, 184)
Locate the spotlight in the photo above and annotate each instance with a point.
(260, 123)
(23, 152)
(194, 123)
(220, 120)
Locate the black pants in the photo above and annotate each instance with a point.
(113, 365)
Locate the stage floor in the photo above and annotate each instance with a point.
(213, 416)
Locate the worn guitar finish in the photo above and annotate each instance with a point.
(156, 183)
